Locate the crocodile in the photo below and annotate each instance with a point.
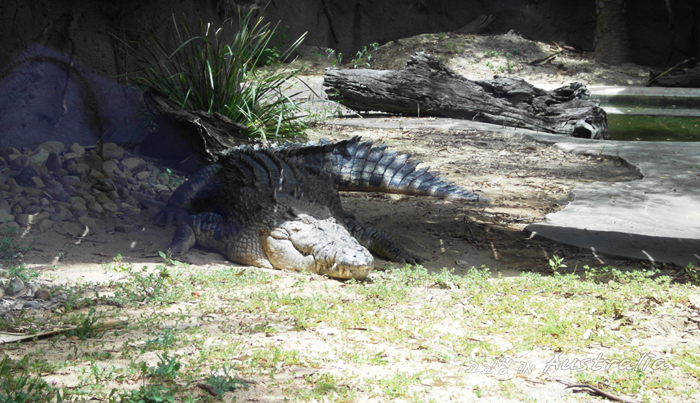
(280, 207)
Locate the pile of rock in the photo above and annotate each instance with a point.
(53, 184)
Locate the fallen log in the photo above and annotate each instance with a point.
(687, 78)
(426, 87)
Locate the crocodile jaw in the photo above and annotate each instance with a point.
(319, 246)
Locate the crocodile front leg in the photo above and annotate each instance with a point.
(176, 209)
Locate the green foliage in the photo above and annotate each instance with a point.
(692, 272)
(362, 57)
(556, 263)
(509, 66)
(166, 340)
(86, 329)
(10, 250)
(226, 382)
(210, 72)
(21, 272)
(336, 57)
(18, 386)
(167, 368)
(149, 394)
(140, 285)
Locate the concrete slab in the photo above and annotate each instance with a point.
(656, 218)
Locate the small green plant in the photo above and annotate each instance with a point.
(86, 329)
(167, 367)
(18, 386)
(168, 259)
(692, 272)
(149, 394)
(556, 263)
(337, 58)
(167, 339)
(226, 382)
(21, 272)
(509, 66)
(9, 250)
(364, 56)
(140, 285)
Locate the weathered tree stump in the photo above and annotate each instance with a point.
(208, 134)
(426, 87)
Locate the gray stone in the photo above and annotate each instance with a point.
(45, 224)
(142, 176)
(161, 188)
(40, 156)
(70, 180)
(95, 208)
(30, 191)
(111, 151)
(122, 192)
(80, 170)
(31, 304)
(61, 214)
(88, 197)
(95, 174)
(163, 177)
(111, 169)
(52, 146)
(134, 164)
(129, 209)
(77, 149)
(14, 286)
(6, 216)
(78, 204)
(102, 198)
(37, 182)
(110, 206)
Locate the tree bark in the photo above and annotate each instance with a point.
(611, 39)
(208, 134)
(426, 87)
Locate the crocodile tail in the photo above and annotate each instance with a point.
(362, 166)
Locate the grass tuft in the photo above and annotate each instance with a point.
(213, 72)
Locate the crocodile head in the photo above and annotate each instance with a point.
(320, 245)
